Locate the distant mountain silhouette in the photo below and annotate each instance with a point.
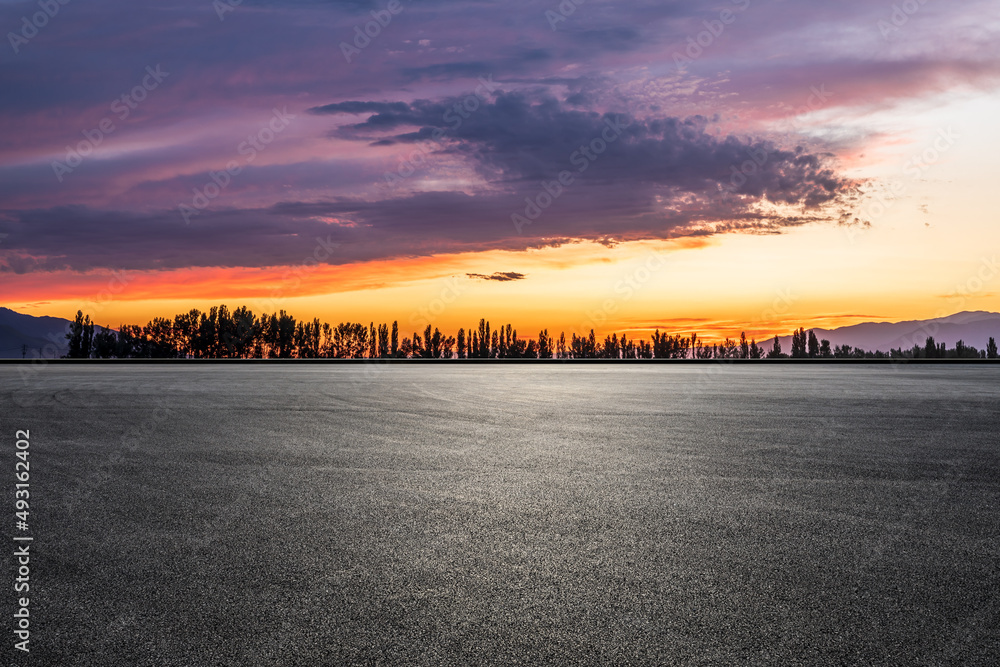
(971, 327)
(43, 336)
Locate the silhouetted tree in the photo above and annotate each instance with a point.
(428, 352)
(482, 351)
(160, 338)
(406, 349)
(241, 335)
(775, 350)
(310, 340)
(813, 344)
(799, 343)
(80, 336)
(124, 345)
(628, 348)
(383, 341)
(185, 332)
(280, 335)
(991, 349)
(503, 341)
(438, 346)
(544, 344)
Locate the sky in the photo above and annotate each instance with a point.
(711, 167)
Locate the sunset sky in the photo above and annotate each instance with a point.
(728, 165)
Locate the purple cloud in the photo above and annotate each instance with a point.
(694, 157)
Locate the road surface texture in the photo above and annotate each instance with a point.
(460, 515)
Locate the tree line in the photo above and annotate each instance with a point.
(222, 333)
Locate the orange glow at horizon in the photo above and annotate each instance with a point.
(713, 286)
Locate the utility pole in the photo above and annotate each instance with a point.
(24, 351)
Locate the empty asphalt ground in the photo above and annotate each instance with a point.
(451, 515)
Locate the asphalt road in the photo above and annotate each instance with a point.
(508, 515)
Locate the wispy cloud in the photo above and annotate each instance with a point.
(499, 276)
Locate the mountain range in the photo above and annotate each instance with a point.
(32, 336)
(973, 328)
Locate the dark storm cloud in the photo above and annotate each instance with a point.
(644, 178)
(516, 137)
